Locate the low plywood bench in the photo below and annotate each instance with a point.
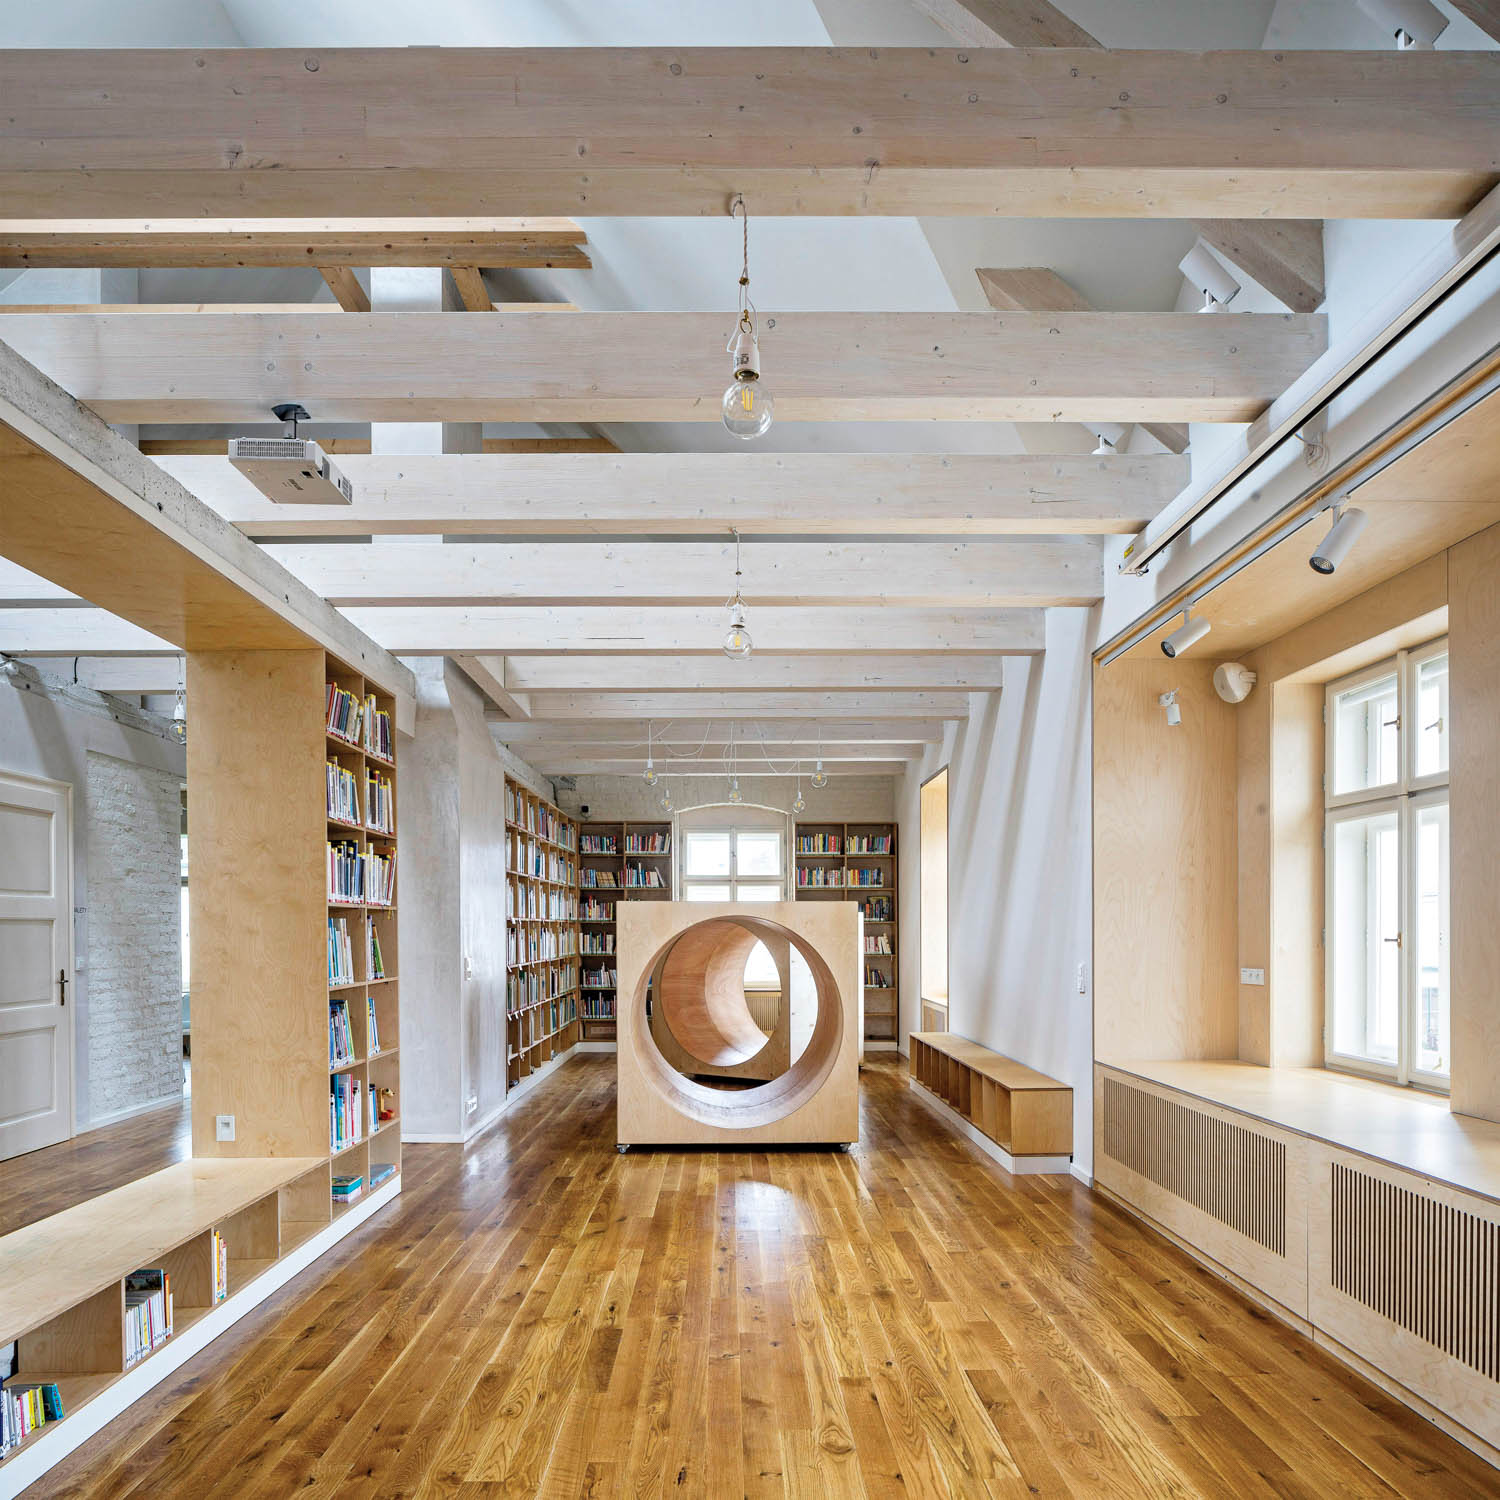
(1028, 1115)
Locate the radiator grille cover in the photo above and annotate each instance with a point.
(1430, 1268)
(1233, 1174)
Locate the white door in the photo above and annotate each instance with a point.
(36, 966)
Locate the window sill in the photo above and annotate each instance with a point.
(1405, 1127)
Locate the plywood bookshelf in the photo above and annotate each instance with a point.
(619, 861)
(857, 862)
(292, 769)
(541, 931)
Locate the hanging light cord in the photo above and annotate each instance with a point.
(730, 603)
(747, 307)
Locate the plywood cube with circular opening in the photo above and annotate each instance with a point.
(738, 1026)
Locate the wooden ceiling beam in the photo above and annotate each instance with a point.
(347, 289)
(1284, 255)
(1006, 23)
(215, 448)
(590, 708)
(539, 676)
(570, 492)
(1037, 289)
(193, 242)
(663, 367)
(472, 291)
(1029, 132)
(681, 734)
(691, 630)
(1485, 14)
(1017, 573)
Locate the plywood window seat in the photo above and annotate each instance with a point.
(1401, 1127)
(62, 1280)
(1001, 1103)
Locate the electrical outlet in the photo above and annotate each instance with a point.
(471, 1103)
(223, 1127)
(1083, 979)
(1252, 976)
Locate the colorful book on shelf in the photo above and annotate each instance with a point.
(380, 802)
(340, 1034)
(345, 714)
(346, 1113)
(24, 1407)
(148, 1312)
(221, 1266)
(346, 872)
(347, 1189)
(340, 952)
(383, 1173)
(373, 953)
(372, 1026)
(378, 739)
(343, 793)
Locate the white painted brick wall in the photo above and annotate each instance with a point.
(134, 935)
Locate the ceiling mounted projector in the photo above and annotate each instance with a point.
(288, 469)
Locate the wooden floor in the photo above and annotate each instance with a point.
(539, 1316)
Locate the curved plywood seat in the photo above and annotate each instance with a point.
(701, 991)
(814, 1099)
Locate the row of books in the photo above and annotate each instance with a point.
(875, 980)
(380, 802)
(869, 843)
(540, 904)
(598, 1007)
(340, 952)
(148, 1313)
(599, 979)
(351, 1187)
(528, 1027)
(598, 942)
(818, 878)
(349, 1110)
(357, 721)
(220, 1247)
(536, 817)
(592, 879)
(819, 843)
(866, 877)
(539, 944)
(595, 910)
(343, 793)
(360, 875)
(598, 843)
(648, 843)
(877, 909)
(525, 856)
(24, 1407)
(527, 987)
(879, 944)
(341, 1050)
(644, 877)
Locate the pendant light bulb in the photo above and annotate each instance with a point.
(666, 799)
(735, 795)
(747, 408)
(819, 777)
(736, 644)
(650, 771)
(179, 707)
(800, 804)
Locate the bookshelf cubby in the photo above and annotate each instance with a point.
(618, 862)
(311, 876)
(857, 862)
(541, 932)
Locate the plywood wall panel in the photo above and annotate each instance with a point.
(1165, 870)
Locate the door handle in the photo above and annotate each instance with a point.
(62, 986)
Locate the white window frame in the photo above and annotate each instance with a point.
(1405, 797)
(733, 879)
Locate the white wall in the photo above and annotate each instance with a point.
(1019, 867)
(55, 731)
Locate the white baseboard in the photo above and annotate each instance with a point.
(1021, 1166)
(56, 1441)
(524, 1087)
(98, 1122)
(1086, 1178)
(594, 1047)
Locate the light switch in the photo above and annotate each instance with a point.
(1252, 976)
(223, 1127)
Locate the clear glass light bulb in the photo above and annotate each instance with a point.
(819, 777)
(666, 800)
(800, 805)
(734, 789)
(748, 409)
(737, 644)
(651, 776)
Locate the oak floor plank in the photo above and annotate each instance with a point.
(536, 1315)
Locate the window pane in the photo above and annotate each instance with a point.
(1363, 927)
(707, 853)
(1365, 735)
(1431, 727)
(761, 972)
(702, 892)
(1430, 894)
(760, 852)
(745, 892)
